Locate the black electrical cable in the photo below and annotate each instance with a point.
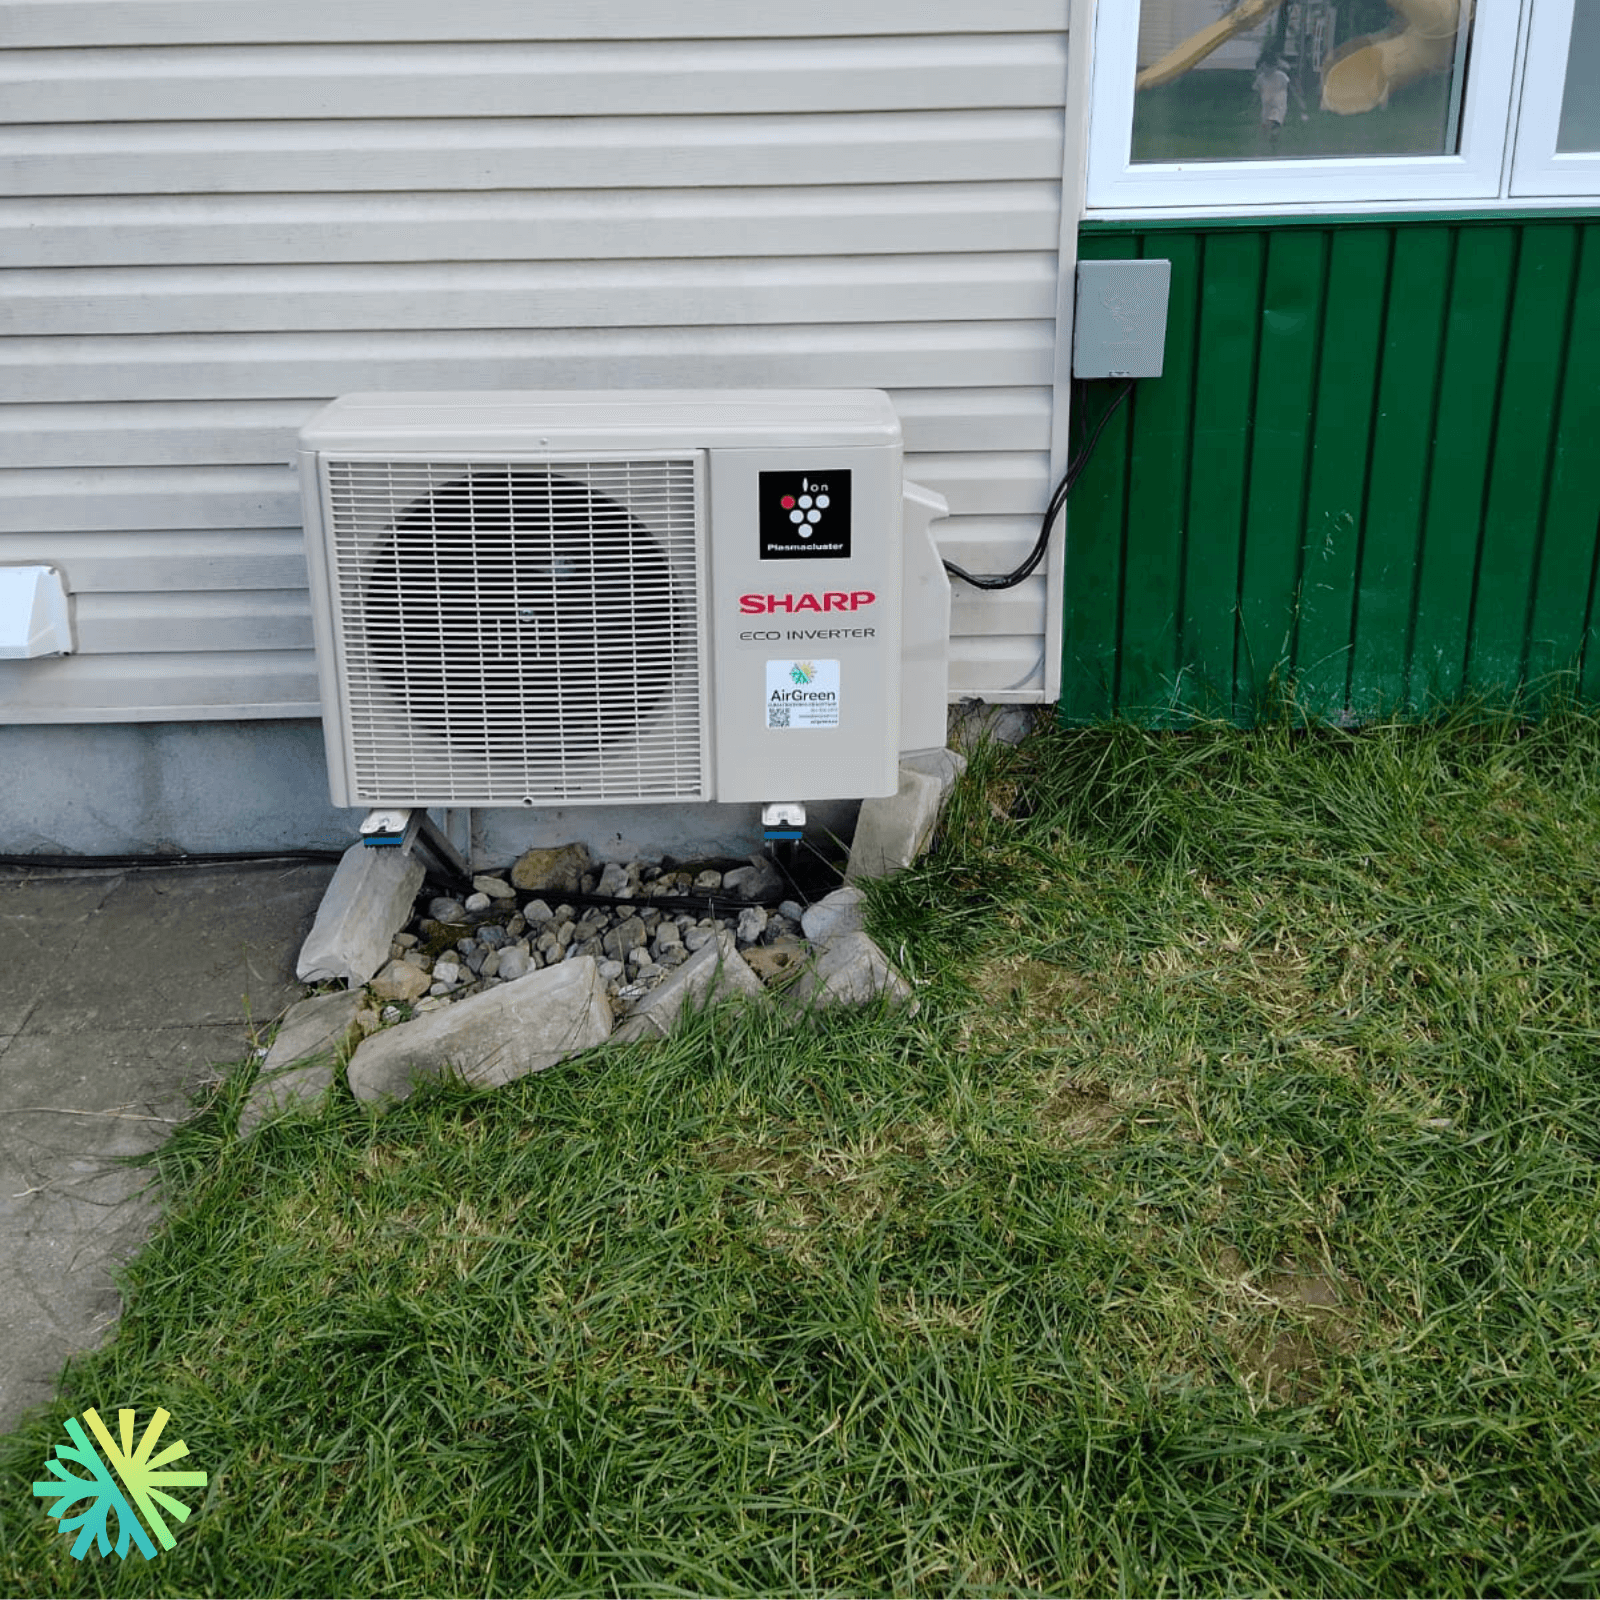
(1069, 479)
(198, 858)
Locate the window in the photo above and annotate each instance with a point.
(1245, 105)
(1558, 131)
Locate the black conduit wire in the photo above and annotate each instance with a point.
(1069, 479)
(158, 862)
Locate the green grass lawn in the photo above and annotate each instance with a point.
(1224, 1220)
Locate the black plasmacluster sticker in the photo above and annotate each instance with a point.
(805, 516)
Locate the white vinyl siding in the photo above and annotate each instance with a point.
(219, 215)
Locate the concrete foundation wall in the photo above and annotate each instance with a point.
(136, 788)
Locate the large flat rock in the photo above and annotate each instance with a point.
(714, 972)
(850, 970)
(301, 1065)
(492, 1038)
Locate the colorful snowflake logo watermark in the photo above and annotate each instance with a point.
(131, 1476)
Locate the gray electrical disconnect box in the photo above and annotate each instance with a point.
(1119, 329)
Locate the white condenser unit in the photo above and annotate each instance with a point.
(567, 598)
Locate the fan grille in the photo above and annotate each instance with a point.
(517, 632)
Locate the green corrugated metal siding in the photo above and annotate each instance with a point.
(1370, 473)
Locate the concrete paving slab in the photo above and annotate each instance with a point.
(41, 924)
(186, 947)
(119, 996)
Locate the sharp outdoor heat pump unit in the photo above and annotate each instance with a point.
(580, 598)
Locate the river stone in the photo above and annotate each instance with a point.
(625, 937)
(491, 1039)
(843, 911)
(752, 924)
(613, 881)
(514, 963)
(759, 881)
(718, 972)
(401, 981)
(560, 869)
(495, 888)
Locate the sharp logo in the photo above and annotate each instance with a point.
(759, 605)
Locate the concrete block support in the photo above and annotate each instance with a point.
(370, 897)
(892, 832)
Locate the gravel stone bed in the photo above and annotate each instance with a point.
(639, 920)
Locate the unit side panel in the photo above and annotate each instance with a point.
(805, 587)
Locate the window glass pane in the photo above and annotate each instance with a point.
(1580, 100)
(1298, 79)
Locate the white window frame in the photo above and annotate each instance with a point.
(1537, 167)
(1473, 173)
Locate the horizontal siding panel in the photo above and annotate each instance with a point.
(989, 544)
(106, 499)
(985, 484)
(137, 623)
(151, 433)
(975, 419)
(523, 78)
(554, 225)
(1000, 667)
(258, 432)
(144, 498)
(218, 215)
(529, 294)
(215, 685)
(219, 367)
(979, 613)
(500, 153)
(142, 561)
(54, 23)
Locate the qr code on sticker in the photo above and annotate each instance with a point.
(777, 716)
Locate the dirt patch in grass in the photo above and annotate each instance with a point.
(1286, 1324)
(1077, 1115)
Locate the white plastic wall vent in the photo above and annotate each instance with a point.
(33, 613)
(577, 598)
